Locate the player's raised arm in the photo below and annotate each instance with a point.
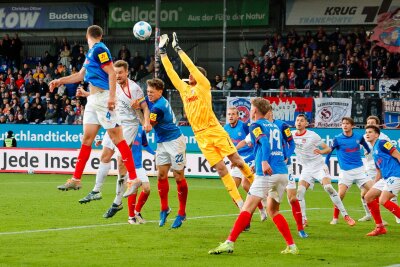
(73, 78)
(200, 78)
(173, 76)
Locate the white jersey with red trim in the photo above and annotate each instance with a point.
(126, 113)
(306, 143)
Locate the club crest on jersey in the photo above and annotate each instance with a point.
(103, 57)
(257, 132)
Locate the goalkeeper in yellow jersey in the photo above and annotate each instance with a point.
(212, 139)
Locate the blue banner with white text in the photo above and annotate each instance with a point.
(45, 16)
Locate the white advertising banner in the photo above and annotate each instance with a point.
(63, 161)
(338, 12)
(330, 111)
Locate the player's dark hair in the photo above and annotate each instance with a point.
(373, 127)
(377, 121)
(303, 116)
(262, 105)
(349, 120)
(202, 70)
(95, 31)
(121, 63)
(156, 83)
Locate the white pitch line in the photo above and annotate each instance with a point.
(119, 224)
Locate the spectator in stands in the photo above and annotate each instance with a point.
(3, 119)
(136, 61)
(54, 49)
(27, 112)
(46, 59)
(65, 57)
(79, 59)
(37, 115)
(10, 119)
(124, 53)
(50, 116)
(20, 119)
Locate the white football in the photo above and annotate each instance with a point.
(142, 30)
(31, 171)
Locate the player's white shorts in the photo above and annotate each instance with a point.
(129, 133)
(172, 152)
(379, 185)
(141, 175)
(357, 176)
(96, 111)
(392, 184)
(371, 173)
(235, 172)
(312, 175)
(291, 181)
(269, 186)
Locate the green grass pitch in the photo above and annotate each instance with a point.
(41, 226)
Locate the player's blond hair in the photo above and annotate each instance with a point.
(234, 109)
(156, 83)
(377, 120)
(95, 31)
(121, 63)
(263, 105)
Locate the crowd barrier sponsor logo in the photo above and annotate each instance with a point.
(45, 16)
(330, 111)
(176, 13)
(64, 162)
(242, 104)
(287, 108)
(339, 12)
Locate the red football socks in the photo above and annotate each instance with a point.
(375, 212)
(241, 222)
(336, 213)
(163, 188)
(127, 158)
(131, 205)
(182, 188)
(141, 201)
(296, 210)
(83, 157)
(393, 208)
(283, 227)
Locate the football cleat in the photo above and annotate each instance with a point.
(377, 231)
(349, 220)
(263, 215)
(226, 247)
(74, 184)
(178, 221)
(163, 216)
(334, 221)
(291, 250)
(132, 187)
(113, 210)
(91, 196)
(366, 218)
(139, 218)
(303, 234)
(397, 220)
(132, 220)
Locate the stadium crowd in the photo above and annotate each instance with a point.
(313, 61)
